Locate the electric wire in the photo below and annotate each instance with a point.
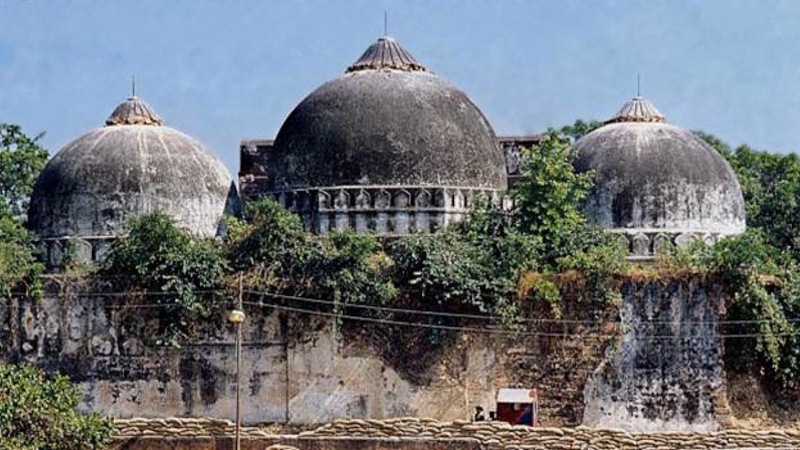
(385, 309)
(497, 330)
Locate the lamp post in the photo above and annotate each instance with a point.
(236, 317)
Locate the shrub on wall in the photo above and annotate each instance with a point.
(18, 264)
(38, 413)
(173, 268)
(278, 256)
(764, 284)
(471, 266)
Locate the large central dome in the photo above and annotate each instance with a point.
(387, 121)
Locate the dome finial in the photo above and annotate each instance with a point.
(386, 53)
(134, 112)
(638, 85)
(385, 22)
(638, 109)
(133, 86)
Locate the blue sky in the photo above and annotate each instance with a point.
(223, 71)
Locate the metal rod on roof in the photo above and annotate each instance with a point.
(638, 85)
(133, 85)
(385, 22)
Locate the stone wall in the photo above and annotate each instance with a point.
(294, 370)
(665, 371)
(415, 433)
(302, 371)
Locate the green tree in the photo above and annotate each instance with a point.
(473, 266)
(157, 257)
(274, 249)
(38, 413)
(21, 161)
(580, 129)
(18, 263)
(549, 195)
(771, 187)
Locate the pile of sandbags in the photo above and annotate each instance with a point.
(523, 437)
(489, 434)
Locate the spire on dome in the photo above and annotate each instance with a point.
(638, 109)
(386, 53)
(134, 112)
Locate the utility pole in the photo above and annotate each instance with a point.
(236, 317)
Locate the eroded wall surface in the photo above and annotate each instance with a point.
(110, 351)
(302, 371)
(665, 370)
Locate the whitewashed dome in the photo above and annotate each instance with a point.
(651, 176)
(132, 166)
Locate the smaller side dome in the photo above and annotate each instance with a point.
(654, 180)
(134, 165)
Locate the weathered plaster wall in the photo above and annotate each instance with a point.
(302, 372)
(665, 371)
(108, 351)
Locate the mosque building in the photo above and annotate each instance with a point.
(388, 147)
(134, 165)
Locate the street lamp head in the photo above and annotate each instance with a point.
(236, 317)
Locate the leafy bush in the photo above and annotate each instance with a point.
(18, 263)
(549, 194)
(38, 413)
(274, 249)
(474, 265)
(279, 256)
(764, 282)
(356, 270)
(158, 257)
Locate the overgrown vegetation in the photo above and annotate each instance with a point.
(277, 255)
(471, 267)
(21, 160)
(760, 268)
(37, 412)
(548, 199)
(172, 268)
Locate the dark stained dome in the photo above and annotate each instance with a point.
(650, 175)
(387, 121)
(132, 166)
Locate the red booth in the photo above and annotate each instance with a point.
(518, 406)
